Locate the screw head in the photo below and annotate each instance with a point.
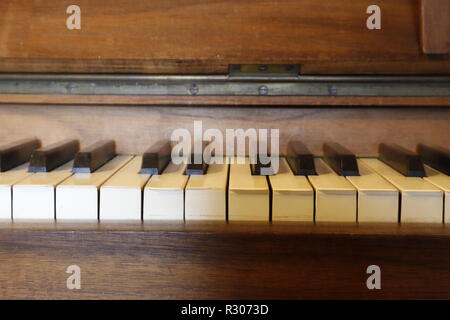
(193, 89)
(263, 90)
(70, 86)
(332, 90)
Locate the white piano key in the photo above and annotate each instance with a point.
(34, 196)
(77, 197)
(335, 195)
(292, 196)
(248, 195)
(164, 194)
(121, 195)
(7, 180)
(442, 181)
(205, 195)
(421, 201)
(378, 200)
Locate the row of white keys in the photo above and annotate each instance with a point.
(205, 195)
(292, 196)
(442, 181)
(377, 198)
(164, 194)
(7, 180)
(121, 195)
(77, 198)
(335, 195)
(175, 196)
(248, 195)
(34, 196)
(421, 201)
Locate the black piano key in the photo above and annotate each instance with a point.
(300, 159)
(156, 158)
(14, 154)
(197, 164)
(403, 160)
(196, 168)
(261, 162)
(48, 158)
(340, 159)
(436, 157)
(93, 157)
(260, 168)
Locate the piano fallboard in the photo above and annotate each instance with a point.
(192, 37)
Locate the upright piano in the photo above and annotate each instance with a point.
(91, 93)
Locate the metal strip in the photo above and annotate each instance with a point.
(224, 86)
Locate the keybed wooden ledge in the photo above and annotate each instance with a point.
(233, 227)
(289, 89)
(216, 260)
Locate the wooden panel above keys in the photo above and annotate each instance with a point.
(188, 36)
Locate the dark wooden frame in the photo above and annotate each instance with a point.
(224, 261)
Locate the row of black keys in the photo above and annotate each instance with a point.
(344, 163)
(155, 159)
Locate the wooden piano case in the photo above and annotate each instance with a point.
(136, 70)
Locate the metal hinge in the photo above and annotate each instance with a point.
(243, 84)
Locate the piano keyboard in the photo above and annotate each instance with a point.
(205, 195)
(291, 195)
(335, 196)
(164, 194)
(34, 197)
(77, 197)
(102, 185)
(7, 180)
(421, 201)
(248, 195)
(441, 181)
(121, 195)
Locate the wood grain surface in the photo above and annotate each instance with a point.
(294, 101)
(136, 128)
(435, 26)
(224, 261)
(199, 36)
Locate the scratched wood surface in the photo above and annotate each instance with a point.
(199, 36)
(224, 261)
(136, 128)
